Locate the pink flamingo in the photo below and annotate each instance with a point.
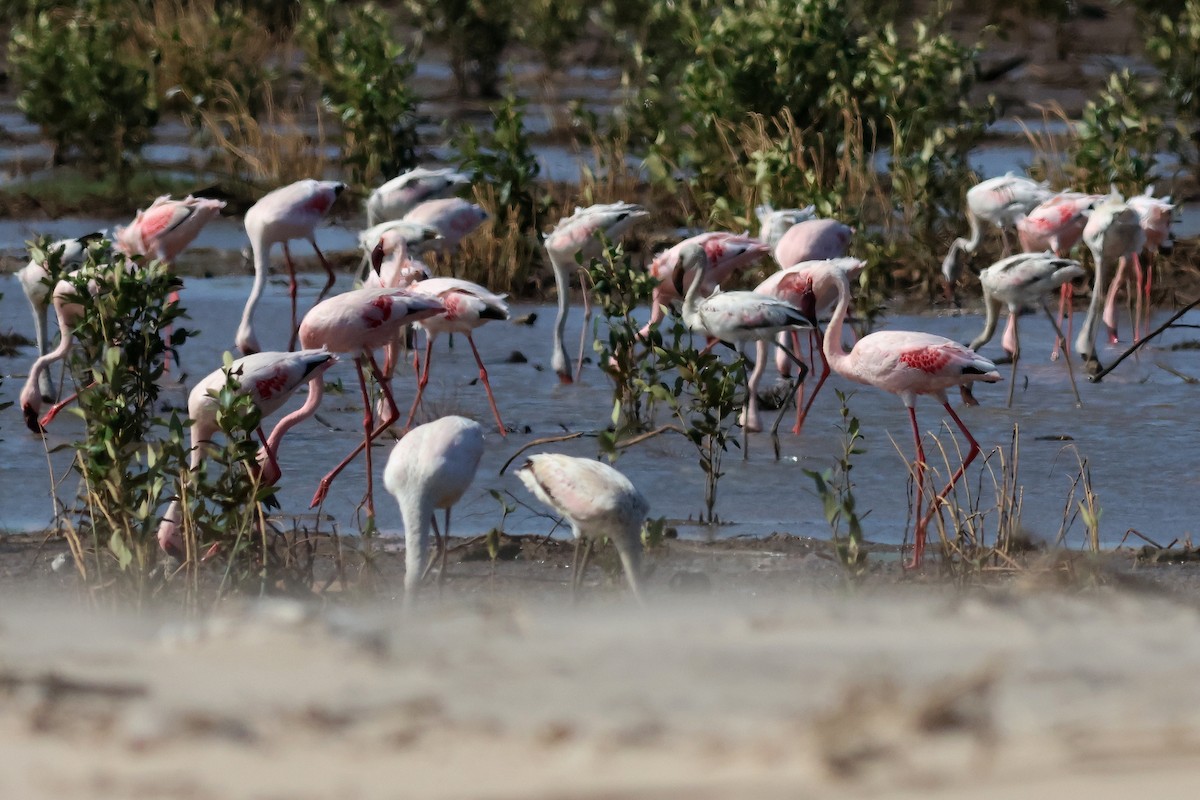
(269, 379)
(908, 364)
(776, 222)
(809, 282)
(1002, 201)
(431, 468)
(358, 322)
(598, 502)
(401, 194)
(738, 317)
(1154, 214)
(415, 236)
(452, 217)
(1019, 282)
(68, 310)
(579, 236)
(1113, 233)
(168, 226)
(289, 212)
(813, 240)
(467, 306)
(34, 279)
(1057, 225)
(716, 255)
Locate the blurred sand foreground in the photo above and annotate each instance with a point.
(893, 693)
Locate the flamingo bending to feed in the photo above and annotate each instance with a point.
(1002, 201)
(269, 379)
(167, 227)
(1154, 213)
(358, 322)
(415, 236)
(908, 364)
(34, 279)
(1113, 233)
(467, 306)
(1057, 225)
(739, 317)
(597, 501)
(1021, 282)
(775, 222)
(579, 235)
(403, 193)
(289, 212)
(716, 255)
(431, 468)
(809, 282)
(813, 240)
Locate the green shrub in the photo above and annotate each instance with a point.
(474, 33)
(364, 78)
(83, 80)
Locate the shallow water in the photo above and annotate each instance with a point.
(1135, 428)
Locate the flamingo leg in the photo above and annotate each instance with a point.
(445, 547)
(1065, 294)
(919, 468)
(1016, 354)
(1066, 356)
(750, 421)
(287, 257)
(328, 270)
(587, 318)
(392, 415)
(422, 380)
(1110, 302)
(962, 469)
(1138, 307)
(801, 415)
(1151, 262)
(580, 565)
(487, 387)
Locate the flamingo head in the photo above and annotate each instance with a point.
(677, 278)
(31, 406)
(952, 268)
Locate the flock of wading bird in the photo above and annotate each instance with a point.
(432, 465)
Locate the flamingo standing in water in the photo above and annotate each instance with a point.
(598, 502)
(431, 468)
(467, 306)
(1154, 214)
(1021, 282)
(290, 212)
(358, 322)
(908, 364)
(1113, 233)
(775, 222)
(579, 236)
(716, 255)
(809, 282)
(1002, 201)
(34, 283)
(1057, 225)
(813, 240)
(738, 317)
(403, 193)
(269, 379)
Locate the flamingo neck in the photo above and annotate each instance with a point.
(316, 391)
(835, 351)
(416, 509)
(976, 232)
(689, 312)
(246, 340)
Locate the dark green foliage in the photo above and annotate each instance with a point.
(129, 455)
(364, 77)
(474, 32)
(85, 83)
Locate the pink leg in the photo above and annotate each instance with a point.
(328, 271)
(422, 380)
(287, 257)
(1148, 283)
(972, 452)
(1138, 308)
(393, 415)
(812, 398)
(487, 387)
(919, 534)
(1110, 302)
(1064, 310)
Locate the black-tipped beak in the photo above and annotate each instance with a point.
(31, 420)
(338, 189)
(677, 279)
(808, 305)
(377, 255)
